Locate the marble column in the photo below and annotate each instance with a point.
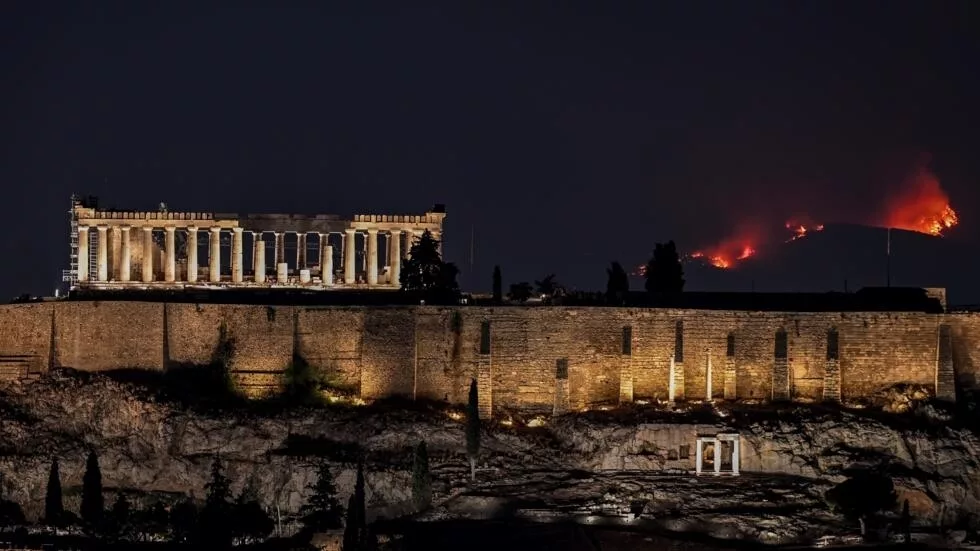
(237, 268)
(736, 451)
(395, 256)
(364, 255)
(324, 243)
(102, 254)
(350, 257)
(192, 254)
(698, 456)
(300, 251)
(326, 264)
(148, 251)
(214, 256)
(170, 246)
(82, 253)
(409, 241)
(115, 252)
(260, 261)
(372, 257)
(716, 456)
(125, 255)
(256, 242)
(280, 248)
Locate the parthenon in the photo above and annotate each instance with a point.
(321, 251)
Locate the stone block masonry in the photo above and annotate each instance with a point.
(540, 359)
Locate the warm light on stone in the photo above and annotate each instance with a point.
(383, 237)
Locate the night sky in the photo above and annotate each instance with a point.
(562, 137)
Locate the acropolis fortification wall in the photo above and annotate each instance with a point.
(535, 357)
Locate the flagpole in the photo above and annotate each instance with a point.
(888, 258)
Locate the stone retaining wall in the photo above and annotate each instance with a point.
(433, 352)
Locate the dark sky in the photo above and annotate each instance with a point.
(564, 136)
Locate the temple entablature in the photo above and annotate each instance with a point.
(241, 250)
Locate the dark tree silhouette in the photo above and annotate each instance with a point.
(498, 292)
(93, 502)
(448, 285)
(183, 520)
(862, 496)
(547, 286)
(357, 536)
(153, 522)
(425, 271)
(10, 514)
(664, 271)
(520, 292)
(421, 478)
(119, 522)
(617, 283)
(323, 511)
(302, 382)
(473, 428)
(352, 527)
(54, 509)
(215, 525)
(250, 522)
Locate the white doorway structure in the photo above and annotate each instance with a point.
(724, 448)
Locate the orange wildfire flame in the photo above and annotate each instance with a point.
(726, 255)
(801, 230)
(922, 207)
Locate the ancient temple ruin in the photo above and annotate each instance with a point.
(124, 249)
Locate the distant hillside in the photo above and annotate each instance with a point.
(822, 261)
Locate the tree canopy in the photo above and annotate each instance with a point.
(862, 496)
(250, 523)
(323, 511)
(215, 522)
(664, 272)
(520, 292)
(425, 271)
(548, 286)
(617, 283)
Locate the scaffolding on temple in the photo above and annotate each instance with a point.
(71, 274)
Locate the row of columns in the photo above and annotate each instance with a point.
(400, 243)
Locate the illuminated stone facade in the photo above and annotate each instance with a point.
(534, 358)
(116, 249)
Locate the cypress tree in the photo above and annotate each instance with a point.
(54, 509)
(351, 530)
(498, 286)
(617, 283)
(473, 428)
(356, 534)
(665, 274)
(421, 478)
(93, 503)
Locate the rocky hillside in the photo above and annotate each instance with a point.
(601, 463)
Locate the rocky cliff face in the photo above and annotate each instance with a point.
(580, 463)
